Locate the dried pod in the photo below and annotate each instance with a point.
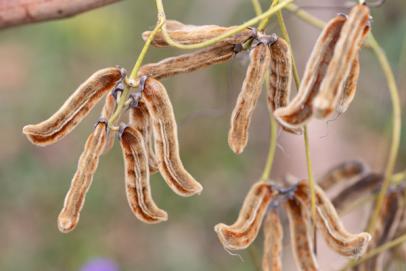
(138, 187)
(300, 109)
(192, 34)
(166, 140)
(366, 185)
(244, 231)
(75, 109)
(329, 224)
(139, 120)
(107, 112)
(343, 172)
(87, 165)
(348, 45)
(248, 97)
(189, 62)
(280, 78)
(300, 236)
(273, 235)
(350, 87)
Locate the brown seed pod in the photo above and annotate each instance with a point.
(365, 185)
(107, 111)
(350, 87)
(192, 34)
(343, 172)
(87, 165)
(138, 187)
(75, 109)
(273, 235)
(166, 144)
(300, 236)
(329, 224)
(189, 62)
(280, 78)
(248, 97)
(300, 109)
(347, 49)
(244, 231)
(139, 120)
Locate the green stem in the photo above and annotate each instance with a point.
(133, 75)
(253, 21)
(257, 7)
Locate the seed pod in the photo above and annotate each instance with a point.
(248, 97)
(139, 120)
(300, 236)
(280, 74)
(87, 165)
(273, 235)
(192, 34)
(343, 172)
(348, 45)
(138, 187)
(366, 185)
(244, 231)
(300, 109)
(350, 87)
(166, 140)
(189, 62)
(107, 112)
(75, 109)
(329, 224)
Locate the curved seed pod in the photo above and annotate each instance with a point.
(330, 226)
(300, 109)
(362, 187)
(166, 140)
(138, 187)
(300, 236)
(192, 34)
(244, 231)
(189, 62)
(107, 112)
(75, 109)
(348, 45)
(350, 87)
(343, 172)
(387, 225)
(273, 235)
(87, 165)
(248, 97)
(280, 73)
(139, 120)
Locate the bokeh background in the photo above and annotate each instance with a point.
(40, 66)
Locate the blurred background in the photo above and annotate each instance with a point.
(42, 64)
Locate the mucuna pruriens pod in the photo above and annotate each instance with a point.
(75, 109)
(166, 143)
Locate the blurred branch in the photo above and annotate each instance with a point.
(19, 12)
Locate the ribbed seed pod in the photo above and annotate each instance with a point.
(273, 235)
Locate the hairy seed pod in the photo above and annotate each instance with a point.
(280, 82)
(248, 97)
(300, 109)
(139, 120)
(189, 62)
(300, 236)
(386, 227)
(273, 235)
(193, 34)
(244, 231)
(107, 112)
(362, 187)
(350, 87)
(166, 144)
(87, 165)
(343, 172)
(75, 109)
(347, 49)
(329, 224)
(138, 187)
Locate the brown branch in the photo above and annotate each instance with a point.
(19, 12)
